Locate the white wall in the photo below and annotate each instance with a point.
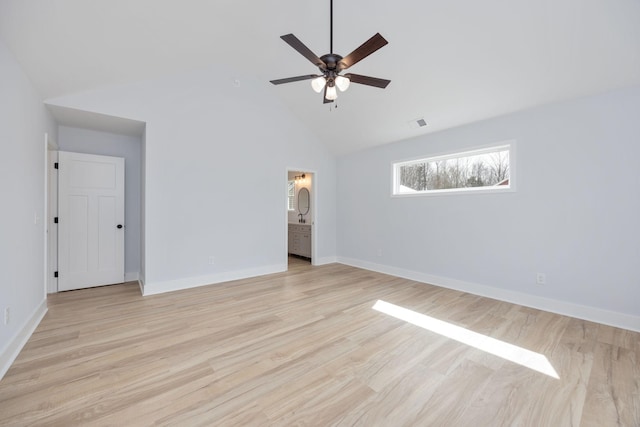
(111, 144)
(573, 217)
(23, 123)
(201, 131)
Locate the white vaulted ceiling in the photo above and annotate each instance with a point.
(450, 62)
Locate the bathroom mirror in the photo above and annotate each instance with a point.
(303, 201)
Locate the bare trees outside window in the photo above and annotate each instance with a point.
(476, 169)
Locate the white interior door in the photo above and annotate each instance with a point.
(90, 220)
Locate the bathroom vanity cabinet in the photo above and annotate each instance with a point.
(300, 239)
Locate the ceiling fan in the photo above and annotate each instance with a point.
(332, 64)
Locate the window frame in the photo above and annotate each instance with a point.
(463, 152)
(291, 196)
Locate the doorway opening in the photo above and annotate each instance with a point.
(301, 208)
(114, 137)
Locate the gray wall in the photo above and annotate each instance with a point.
(111, 144)
(23, 123)
(573, 217)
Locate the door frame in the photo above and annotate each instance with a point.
(314, 213)
(50, 211)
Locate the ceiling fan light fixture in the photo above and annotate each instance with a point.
(342, 83)
(332, 64)
(332, 93)
(318, 84)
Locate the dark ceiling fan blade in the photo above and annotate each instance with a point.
(324, 97)
(365, 49)
(295, 43)
(366, 80)
(293, 79)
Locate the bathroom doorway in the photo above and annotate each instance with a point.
(300, 218)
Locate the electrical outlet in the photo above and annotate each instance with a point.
(541, 278)
(212, 260)
(7, 316)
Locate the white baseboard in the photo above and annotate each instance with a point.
(13, 348)
(325, 260)
(594, 314)
(141, 284)
(131, 276)
(152, 288)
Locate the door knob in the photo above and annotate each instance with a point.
(119, 225)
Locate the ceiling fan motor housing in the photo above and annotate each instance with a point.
(332, 62)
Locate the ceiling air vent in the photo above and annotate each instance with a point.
(418, 123)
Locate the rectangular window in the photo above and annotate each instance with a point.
(291, 186)
(486, 169)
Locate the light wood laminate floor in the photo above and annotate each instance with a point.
(306, 348)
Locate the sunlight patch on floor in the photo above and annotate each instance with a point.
(527, 358)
